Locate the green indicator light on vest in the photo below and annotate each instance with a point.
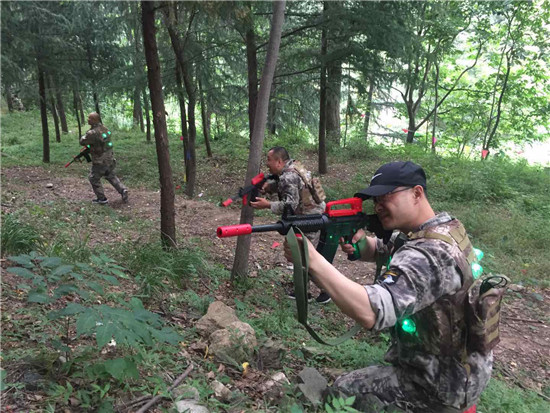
(88, 146)
(477, 270)
(104, 135)
(108, 132)
(479, 254)
(110, 144)
(408, 326)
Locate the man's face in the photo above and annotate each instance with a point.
(274, 164)
(395, 209)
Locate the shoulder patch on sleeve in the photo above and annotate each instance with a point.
(389, 277)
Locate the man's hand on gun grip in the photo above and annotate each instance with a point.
(261, 203)
(357, 237)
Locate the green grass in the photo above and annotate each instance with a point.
(503, 204)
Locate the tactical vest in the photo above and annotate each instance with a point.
(102, 148)
(312, 192)
(441, 329)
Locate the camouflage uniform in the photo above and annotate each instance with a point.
(103, 161)
(292, 191)
(431, 369)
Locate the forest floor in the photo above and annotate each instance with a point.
(522, 358)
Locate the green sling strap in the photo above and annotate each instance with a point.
(300, 259)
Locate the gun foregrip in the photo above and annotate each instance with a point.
(234, 230)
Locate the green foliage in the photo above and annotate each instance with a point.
(340, 405)
(17, 237)
(500, 397)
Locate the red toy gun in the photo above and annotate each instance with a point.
(250, 192)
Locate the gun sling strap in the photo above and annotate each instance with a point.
(300, 259)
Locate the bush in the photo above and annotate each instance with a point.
(17, 238)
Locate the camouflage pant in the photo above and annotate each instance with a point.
(107, 171)
(386, 389)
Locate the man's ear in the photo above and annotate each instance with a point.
(418, 191)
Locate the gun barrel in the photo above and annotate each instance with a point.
(245, 229)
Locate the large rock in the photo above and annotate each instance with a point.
(270, 355)
(234, 344)
(217, 317)
(312, 386)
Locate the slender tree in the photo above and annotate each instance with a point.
(240, 265)
(167, 211)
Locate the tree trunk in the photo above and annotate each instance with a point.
(80, 106)
(252, 65)
(43, 115)
(183, 120)
(167, 211)
(369, 107)
(9, 98)
(54, 110)
(323, 103)
(272, 111)
(60, 108)
(94, 86)
(177, 45)
(204, 122)
(75, 105)
(334, 82)
(434, 121)
(137, 115)
(240, 265)
(147, 116)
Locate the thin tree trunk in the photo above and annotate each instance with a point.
(43, 115)
(323, 169)
(434, 121)
(9, 98)
(272, 112)
(80, 106)
(183, 120)
(167, 210)
(60, 108)
(136, 113)
(147, 115)
(204, 122)
(369, 107)
(94, 86)
(75, 105)
(240, 265)
(252, 65)
(54, 110)
(177, 45)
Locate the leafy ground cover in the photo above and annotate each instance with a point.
(98, 264)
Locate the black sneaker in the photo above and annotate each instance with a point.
(125, 196)
(99, 201)
(323, 298)
(292, 296)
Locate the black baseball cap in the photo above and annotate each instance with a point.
(393, 175)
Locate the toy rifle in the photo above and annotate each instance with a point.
(334, 223)
(250, 192)
(84, 153)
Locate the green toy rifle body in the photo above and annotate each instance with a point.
(333, 224)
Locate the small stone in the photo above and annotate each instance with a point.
(49, 185)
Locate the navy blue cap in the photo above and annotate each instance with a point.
(393, 175)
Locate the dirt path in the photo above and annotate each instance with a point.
(524, 351)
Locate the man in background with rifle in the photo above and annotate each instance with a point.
(441, 354)
(98, 140)
(298, 192)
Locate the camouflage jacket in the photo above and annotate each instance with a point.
(423, 275)
(292, 190)
(99, 139)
